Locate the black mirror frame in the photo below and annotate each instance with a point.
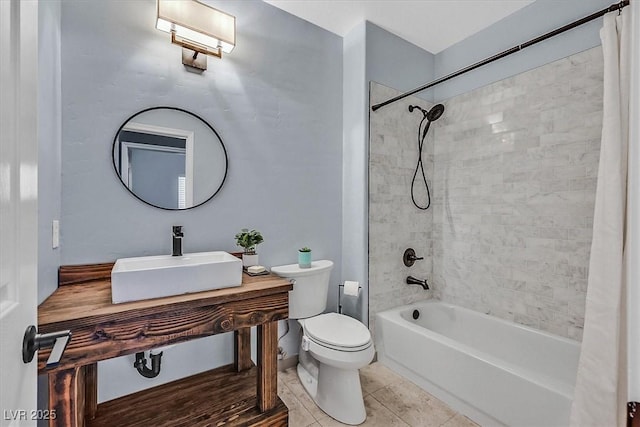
(224, 149)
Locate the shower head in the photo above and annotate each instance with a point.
(435, 112)
(432, 115)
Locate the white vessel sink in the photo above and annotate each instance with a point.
(134, 279)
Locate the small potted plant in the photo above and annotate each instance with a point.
(304, 257)
(248, 240)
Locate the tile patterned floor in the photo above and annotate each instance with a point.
(390, 401)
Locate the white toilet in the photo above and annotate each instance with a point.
(333, 347)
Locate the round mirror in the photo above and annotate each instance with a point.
(170, 158)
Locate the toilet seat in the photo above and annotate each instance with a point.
(337, 332)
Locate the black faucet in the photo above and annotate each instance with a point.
(413, 281)
(178, 234)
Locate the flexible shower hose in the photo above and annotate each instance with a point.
(419, 166)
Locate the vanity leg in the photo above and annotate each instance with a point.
(90, 390)
(242, 349)
(267, 395)
(66, 397)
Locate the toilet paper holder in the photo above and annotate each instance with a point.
(340, 297)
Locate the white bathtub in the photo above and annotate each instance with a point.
(494, 371)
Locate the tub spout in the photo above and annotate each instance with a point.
(413, 281)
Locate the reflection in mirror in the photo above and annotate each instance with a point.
(170, 158)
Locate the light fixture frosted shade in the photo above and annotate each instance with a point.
(196, 26)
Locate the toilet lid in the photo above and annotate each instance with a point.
(337, 330)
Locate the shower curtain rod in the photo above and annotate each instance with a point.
(612, 8)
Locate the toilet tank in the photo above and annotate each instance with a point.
(309, 295)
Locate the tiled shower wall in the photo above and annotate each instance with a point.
(394, 223)
(512, 168)
(514, 184)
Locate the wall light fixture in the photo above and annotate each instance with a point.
(198, 28)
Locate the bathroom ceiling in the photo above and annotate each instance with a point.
(432, 25)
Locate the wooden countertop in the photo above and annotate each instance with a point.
(102, 330)
(86, 301)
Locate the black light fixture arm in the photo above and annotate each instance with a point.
(598, 14)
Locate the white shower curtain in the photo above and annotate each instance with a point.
(601, 387)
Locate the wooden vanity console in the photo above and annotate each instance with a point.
(238, 394)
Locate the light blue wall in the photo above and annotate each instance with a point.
(531, 21)
(49, 143)
(276, 102)
(394, 62)
(355, 164)
(385, 51)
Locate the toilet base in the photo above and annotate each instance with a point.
(336, 391)
(309, 382)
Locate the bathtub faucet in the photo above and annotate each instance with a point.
(413, 281)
